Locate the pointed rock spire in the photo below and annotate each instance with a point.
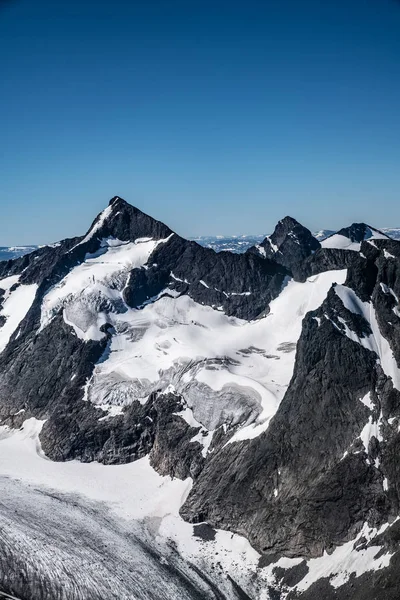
(126, 223)
(289, 244)
(358, 232)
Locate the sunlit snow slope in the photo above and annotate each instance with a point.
(229, 371)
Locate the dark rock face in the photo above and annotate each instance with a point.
(243, 284)
(36, 376)
(299, 456)
(308, 483)
(129, 223)
(152, 428)
(289, 245)
(316, 475)
(328, 259)
(172, 452)
(373, 585)
(358, 232)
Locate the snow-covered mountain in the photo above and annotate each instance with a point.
(184, 423)
(351, 238)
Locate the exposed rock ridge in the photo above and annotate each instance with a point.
(289, 244)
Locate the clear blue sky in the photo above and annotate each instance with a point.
(213, 116)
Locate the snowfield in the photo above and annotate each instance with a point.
(16, 303)
(227, 370)
(94, 288)
(116, 530)
(141, 502)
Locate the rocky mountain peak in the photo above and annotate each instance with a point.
(289, 244)
(288, 227)
(358, 232)
(350, 238)
(125, 222)
(285, 225)
(117, 200)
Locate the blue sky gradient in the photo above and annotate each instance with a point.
(215, 117)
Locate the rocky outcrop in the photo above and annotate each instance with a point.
(289, 490)
(242, 284)
(289, 245)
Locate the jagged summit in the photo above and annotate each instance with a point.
(125, 222)
(117, 199)
(357, 232)
(289, 244)
(350, 238)
(287, 228)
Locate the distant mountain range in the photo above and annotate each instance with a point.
(11, 252)
(234, 243)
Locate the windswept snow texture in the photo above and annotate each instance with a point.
(15, 303)
(99, 531)
(86, 530)
(227, 370)
(94, 288)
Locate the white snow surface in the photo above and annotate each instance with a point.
(261, 250)
(15, 306)
(374, 342)
(371, 429)
(227, 370)
(103, 216)
(367, 401)
(341, 242)
(134, 492)
(94, 288)
(345, 560)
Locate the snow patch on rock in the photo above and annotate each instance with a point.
(15, 305)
